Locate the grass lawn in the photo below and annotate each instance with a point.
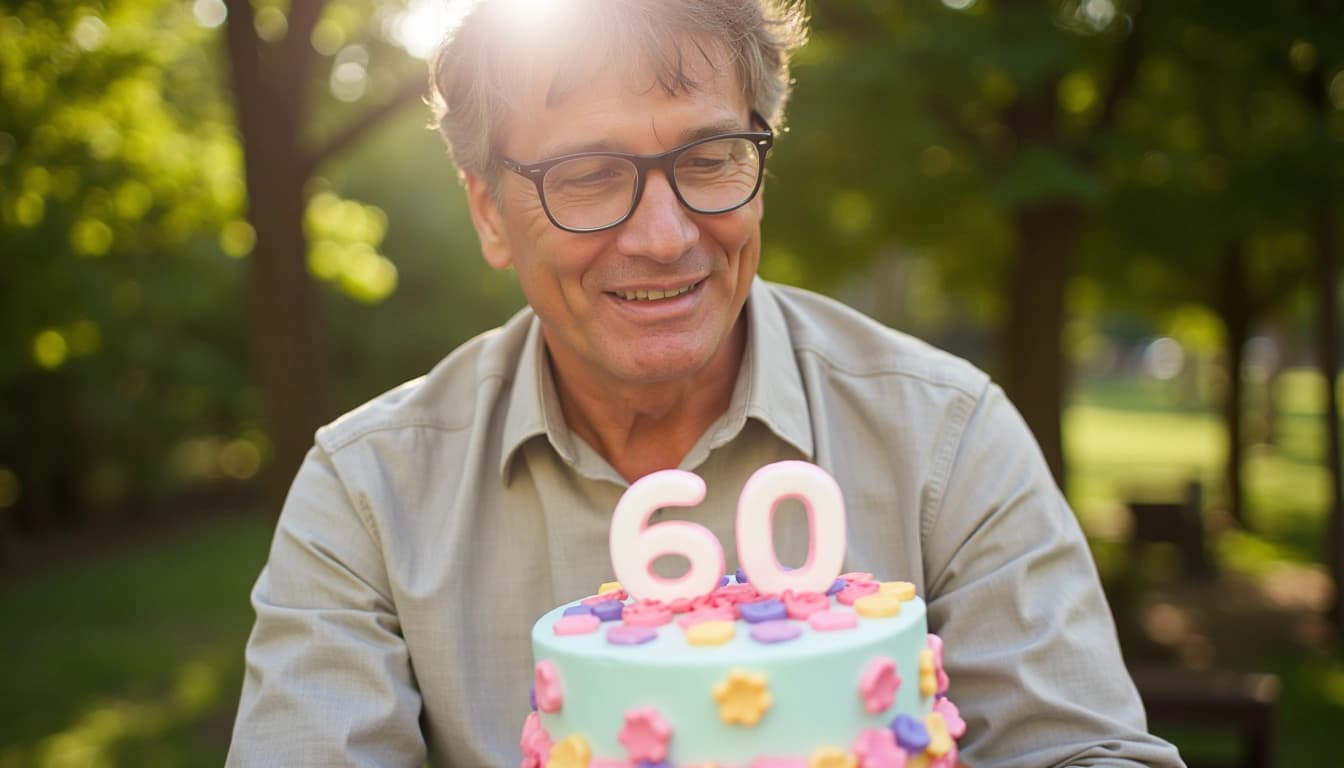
(134, 657)
(1130, 440)
(131, 658)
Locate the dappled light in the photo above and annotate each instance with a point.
(349, 73)
(344, 237)
(92, 740)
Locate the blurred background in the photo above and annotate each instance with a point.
(224, 222)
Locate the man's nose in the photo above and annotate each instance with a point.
(660, 227)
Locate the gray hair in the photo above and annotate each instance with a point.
(488, 59)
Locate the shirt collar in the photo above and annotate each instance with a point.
(769, 389)
(776, 396)
(534, 406)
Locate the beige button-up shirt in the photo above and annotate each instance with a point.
(428, 530)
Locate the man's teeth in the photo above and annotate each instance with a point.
(652, 295)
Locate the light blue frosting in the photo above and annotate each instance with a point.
(813, 680)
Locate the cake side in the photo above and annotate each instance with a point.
(739, 678)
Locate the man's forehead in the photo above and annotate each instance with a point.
(564, 106)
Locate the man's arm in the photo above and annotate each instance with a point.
(1031, 646)
(329, 679)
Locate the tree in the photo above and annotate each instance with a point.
(119, 194)
(979, 130)
(122, 191)
(1208, 165)
(1325, 242)
(273, 67)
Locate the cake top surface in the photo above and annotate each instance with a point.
(733, 624)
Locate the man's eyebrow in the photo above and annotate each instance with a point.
(713, 129)
(604, 145)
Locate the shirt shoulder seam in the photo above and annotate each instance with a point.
(348, 437)
(891, 370)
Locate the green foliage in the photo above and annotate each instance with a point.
(123, 363)
(122, 175)
(343, 236)
(901, 140)
(445, 292)
(123, 359)
(1219, 145)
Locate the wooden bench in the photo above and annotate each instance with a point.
(1180, 523)
(1218, 701)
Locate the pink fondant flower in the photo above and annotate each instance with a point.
(717, 602)
(877, 748)
(952, 716)
(779, 762)
(857, 589)
(878, 684)
(800, 605)
(535, 743)
(737, 593)
(550, 694)
(646, 613)
(936, 645)
(645, 735)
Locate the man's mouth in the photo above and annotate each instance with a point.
(654, 295)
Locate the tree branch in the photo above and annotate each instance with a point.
(298, 44)
(297, 55)
(249, 97)
(1122, 80)
(411, 89)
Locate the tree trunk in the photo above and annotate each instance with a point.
(1234, 309)
(288, 345)
(1328, 270)
(1033, 358)
(1327, 280)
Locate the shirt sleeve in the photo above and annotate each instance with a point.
(328, 679)
(1031, 648)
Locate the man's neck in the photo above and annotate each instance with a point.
(642, 428)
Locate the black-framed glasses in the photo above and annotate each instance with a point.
(593, 191)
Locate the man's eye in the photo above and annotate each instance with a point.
(594, 177)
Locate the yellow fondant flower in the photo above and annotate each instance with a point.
(742, 697)
(831, 757)
(711, 632)
(878, 606)
(940, 741)
(901, 590)
(928, 679)
(570, 752)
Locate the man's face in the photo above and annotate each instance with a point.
(583, 286)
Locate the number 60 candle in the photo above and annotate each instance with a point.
(635, 544)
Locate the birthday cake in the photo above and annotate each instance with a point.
(768, 668)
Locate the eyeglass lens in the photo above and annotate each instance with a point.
(595, 191)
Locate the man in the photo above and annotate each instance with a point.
(612, 154)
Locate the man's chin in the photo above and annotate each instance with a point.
(658, 362)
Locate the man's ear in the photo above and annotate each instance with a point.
(488, 222)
